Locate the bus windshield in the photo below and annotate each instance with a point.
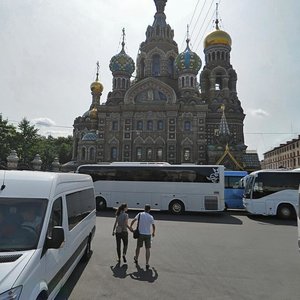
(20, 223)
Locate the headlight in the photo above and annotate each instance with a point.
(12, 294)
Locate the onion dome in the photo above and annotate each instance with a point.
(122, 63)
(90, 136)
(92, 113)
(96, 86)
(188, 61)
(217, 37)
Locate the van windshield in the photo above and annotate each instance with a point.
(21, 222)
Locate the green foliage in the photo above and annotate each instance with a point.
(27, 142)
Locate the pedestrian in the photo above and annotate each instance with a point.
(145, 222)
(120, 230)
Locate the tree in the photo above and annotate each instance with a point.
(7, 139)
(26, 137)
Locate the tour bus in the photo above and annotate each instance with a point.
(272, 192)
(234, 189)
(176, 188)
(47, 222)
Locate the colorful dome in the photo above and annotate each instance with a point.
(90, 136)
(122, 63)
(188, 60)
(217, 37)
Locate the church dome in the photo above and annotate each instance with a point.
(217, 37)
(122, 63)
(96, 87)
(90, 136)
(188, 60)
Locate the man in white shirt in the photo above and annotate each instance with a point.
(146, 221)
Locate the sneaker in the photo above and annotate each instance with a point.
(147, 267)
(124, 259)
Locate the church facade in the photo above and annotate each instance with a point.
(169, 112)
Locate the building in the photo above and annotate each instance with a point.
(165, 113)
(284, 156)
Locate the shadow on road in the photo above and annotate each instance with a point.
(272, 220)
(142, 275)
(68, 287)
(225, 217)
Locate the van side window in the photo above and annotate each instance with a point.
(56, 215)
(79, 205)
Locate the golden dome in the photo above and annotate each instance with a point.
(217, 37)
(96, 87)
(93, 113)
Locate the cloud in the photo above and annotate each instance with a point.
(259, 113)
(46, 122)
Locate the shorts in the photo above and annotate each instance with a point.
(144, 238)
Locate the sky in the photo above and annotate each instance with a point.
(49, 50)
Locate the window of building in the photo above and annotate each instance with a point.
(160, 125)
(139, 125)
(155, 65)
(150, 125)
(113, 153)
(83, 153)
(159, 154)
(139, 153)
(114, 126)
(171, 66)
(187, 126)
(92, 153)
(149, 154)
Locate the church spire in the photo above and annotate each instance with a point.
(160, 17)
(123, 39)
(223, 127)
(217, 16)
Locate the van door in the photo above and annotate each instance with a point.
(55, 259)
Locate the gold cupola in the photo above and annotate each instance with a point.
(97, 87)
(218, 36)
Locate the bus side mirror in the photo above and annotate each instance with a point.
(57, 238)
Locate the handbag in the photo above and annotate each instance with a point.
(136, 232)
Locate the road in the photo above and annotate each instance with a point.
(195, 256)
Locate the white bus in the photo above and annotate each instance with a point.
(272, 192)
(176, 188)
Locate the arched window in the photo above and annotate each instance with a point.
(114, 83)
(192, 81)
(187, 126)
(83, 154)
(160, 125)
(138, 153)
(213, 55)
(92, 154)
(159, 154)
(155, 65)
(149, 154)
(150, 125)
(182, 81)
(119, 83)
(113, 153)
(123, 83)
(139, 125)
(187, 81)
(171, 66)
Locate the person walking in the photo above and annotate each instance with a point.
(145, 222)
(120, 230)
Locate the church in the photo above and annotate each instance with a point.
(169, 112)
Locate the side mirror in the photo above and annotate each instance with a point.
(58, 237)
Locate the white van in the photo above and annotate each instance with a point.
(47, 222)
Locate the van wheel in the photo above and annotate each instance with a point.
(88, 251)
(285, 211)
(42, 296)
(176, 207)
(100, 203)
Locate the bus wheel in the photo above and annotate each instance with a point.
(285, 211)
(100, 203)
(176, 207)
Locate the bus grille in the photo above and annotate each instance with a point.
(211, 203)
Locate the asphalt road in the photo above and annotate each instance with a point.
(195, 256)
